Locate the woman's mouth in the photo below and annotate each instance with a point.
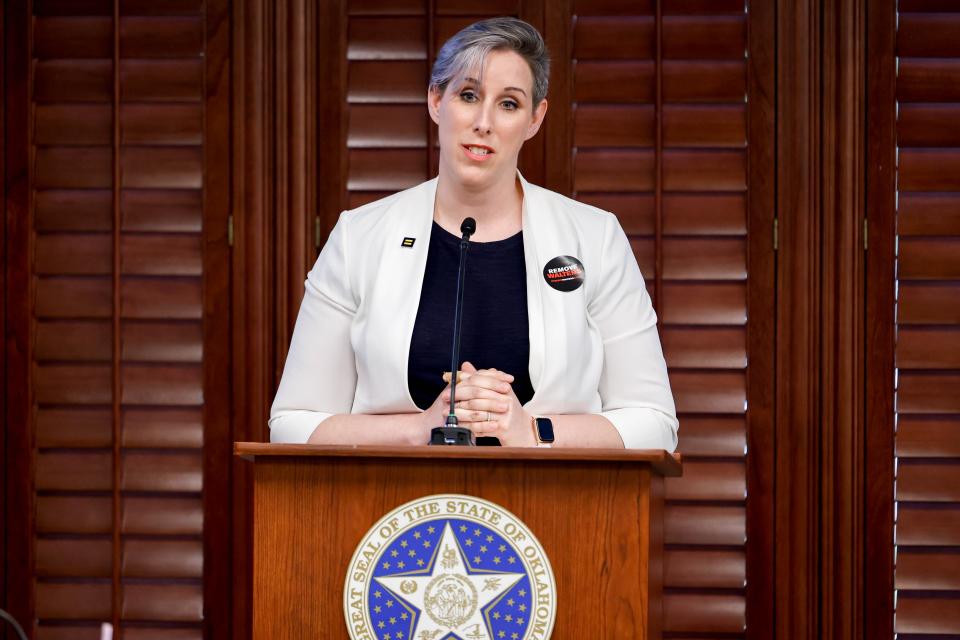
(478, 152)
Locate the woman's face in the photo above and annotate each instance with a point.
(483, 126)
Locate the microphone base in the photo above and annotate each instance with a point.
(452, 436)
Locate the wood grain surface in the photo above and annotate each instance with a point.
(597, 521)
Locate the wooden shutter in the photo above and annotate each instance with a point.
(928, 321)
(126, 265)
(660, 138)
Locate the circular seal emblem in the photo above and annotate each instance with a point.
(564, 273)
(449, 567)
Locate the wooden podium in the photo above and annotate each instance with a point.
(596, 513)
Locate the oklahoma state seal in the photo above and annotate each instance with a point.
(449, 567)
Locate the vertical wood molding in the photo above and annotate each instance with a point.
(331, 161)
(879, 339)
(294, 161)
(251, 281)
(558, 126)
(274, 167)
(17, 339)
(842, 334)
(219, 417)
(4, 521)
(532, 155)
(761, 312)
(799, 207)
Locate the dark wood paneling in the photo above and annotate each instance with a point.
(797, 514)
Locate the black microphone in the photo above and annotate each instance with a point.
(452, 433)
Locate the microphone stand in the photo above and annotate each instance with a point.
(451, 433)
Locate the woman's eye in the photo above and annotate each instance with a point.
(468, 96)
(510, 105)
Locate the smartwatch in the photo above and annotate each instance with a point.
(543, 431)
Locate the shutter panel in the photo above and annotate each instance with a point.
(692, 253)
(120, 267)
(928, 322)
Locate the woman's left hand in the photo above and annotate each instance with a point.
(487, 405)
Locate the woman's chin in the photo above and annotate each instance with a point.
(476, 176)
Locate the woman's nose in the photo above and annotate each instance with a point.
(482, 124)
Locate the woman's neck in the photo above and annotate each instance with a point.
(497, 208)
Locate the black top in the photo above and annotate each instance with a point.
(495, 326)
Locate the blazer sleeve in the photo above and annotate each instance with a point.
(634, 388)
(320, 376)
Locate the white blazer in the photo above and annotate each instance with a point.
(592, 350)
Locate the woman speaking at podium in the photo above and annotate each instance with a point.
(558, 328)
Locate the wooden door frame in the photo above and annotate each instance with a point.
(19, 461)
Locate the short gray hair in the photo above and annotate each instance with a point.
(469, 48)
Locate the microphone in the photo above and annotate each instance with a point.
(451, 433)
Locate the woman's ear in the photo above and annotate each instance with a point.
(434, 96)
(538, 115)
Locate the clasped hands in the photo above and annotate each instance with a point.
(487, 405)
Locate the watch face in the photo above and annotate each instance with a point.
(545, 429)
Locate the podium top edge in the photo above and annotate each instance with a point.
(663, 463)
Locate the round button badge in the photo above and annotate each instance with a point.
(564, 273)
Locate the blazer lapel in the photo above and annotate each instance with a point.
(400, 280)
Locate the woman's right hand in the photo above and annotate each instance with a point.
(434, 416)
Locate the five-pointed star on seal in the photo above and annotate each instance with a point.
(450, 598)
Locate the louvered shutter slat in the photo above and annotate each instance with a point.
(701, 37)
(161, 428)
(709, 481)
(710, 348)
(142, 37)
(162, 559)
(72, 384)
(715, 214)
(684, 525)
(926, 569)
(78, 124)
(162, 516)
(928, 525)
(74, 428)
(74, 558)
(703, 613)
(373, 126)
(928, 392)
(704, 304)
(929, 125)
(476, 7)
(927, 615)
(934, 348)
(714, 436)
(167, 124)
(926, 481)
(716, 569)
(80, 471)
(928, 437)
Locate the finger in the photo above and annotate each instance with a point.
(467, 367)
(486, 382)
(470, 392)
(477, 422)
(496, 373)
(484, 404)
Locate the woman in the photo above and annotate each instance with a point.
(556, 316)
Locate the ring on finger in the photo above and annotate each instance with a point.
(488, 416)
